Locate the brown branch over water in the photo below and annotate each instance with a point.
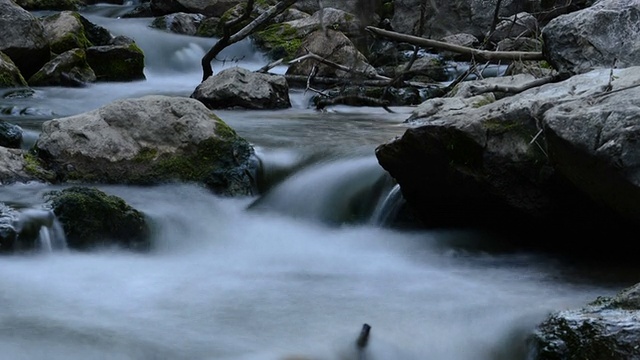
(228, 39)
(477, 54)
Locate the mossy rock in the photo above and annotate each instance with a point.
(212, 162)
(67, 69)
(150, 140)
(10, 75)
(93, 219)
(210, 27)
(35, 167)
(64, 34)
(117, 62)
(70, 41)
(278, 41)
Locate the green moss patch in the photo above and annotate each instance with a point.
(92, 218)
(117, 63)
(34, 166)
(279, 41)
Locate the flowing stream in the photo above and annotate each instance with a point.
(291, 274)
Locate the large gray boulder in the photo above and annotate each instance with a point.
(526, 161)
(237, 87)
(604, 35)
(23, 38)
(335, 47)
(594, 143)
(148, 140)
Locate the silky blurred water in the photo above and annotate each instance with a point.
(294, 271)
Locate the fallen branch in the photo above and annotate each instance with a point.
(311, 76)
(353, 100)
(322, 60)
(480, 89)
(228, 39)
(477, 54)
(270, 66)
(324, 80)
(607, 90)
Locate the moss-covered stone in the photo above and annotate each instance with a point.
(210, 27)
(117, 63)
(92, 219)
(10, 75)
(35, 167)
(68, 69)
(210, 163)
(279, 41)
(11, 79)
(223, 130)
(72, 39)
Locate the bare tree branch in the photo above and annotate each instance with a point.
(270, 66)
(477, 90)
(478, 54)
(228, 39)
(494, 22)
(302, 79)
(320, 59)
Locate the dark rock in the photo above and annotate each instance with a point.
(93, 219)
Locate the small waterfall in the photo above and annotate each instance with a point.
(39, 229)
(45, 240)
(336, 191)
(388, 207)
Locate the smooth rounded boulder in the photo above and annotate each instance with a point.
(149, 140)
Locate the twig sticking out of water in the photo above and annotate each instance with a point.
(362, 341)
